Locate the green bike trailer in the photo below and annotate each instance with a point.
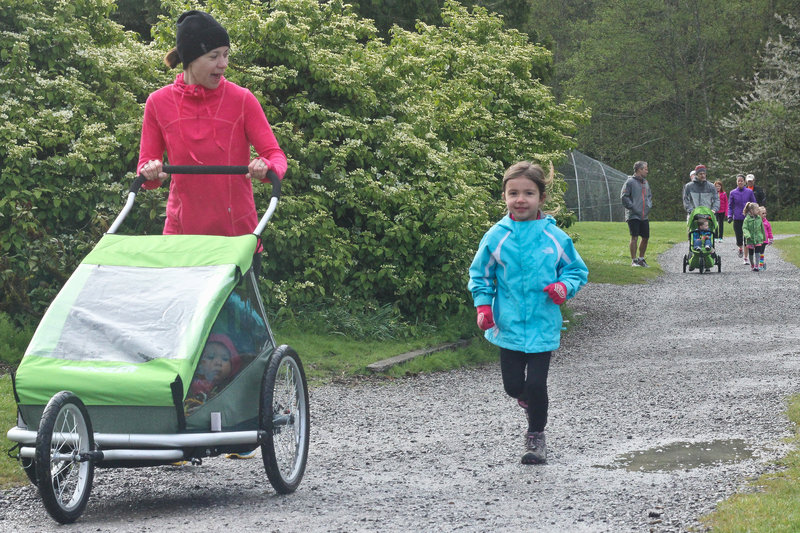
(108, 377)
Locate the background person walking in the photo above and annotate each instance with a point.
(699, 193)
(524, 269)
(637, 198)
(737, 199)
(768, 238)
(722, 212)
(758, 192)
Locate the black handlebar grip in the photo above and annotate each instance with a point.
(137, 184)
(276, 183)
(210, 169)
(205, 169)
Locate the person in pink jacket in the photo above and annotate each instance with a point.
(768, 239)
(204, 119)
(722, 212)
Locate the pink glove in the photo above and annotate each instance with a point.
(485, 317)
(557, 292)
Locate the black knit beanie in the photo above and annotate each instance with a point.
(198, 34)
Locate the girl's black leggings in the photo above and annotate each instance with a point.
(525, 378)
(755, 254)
(737, 229)
(720, 225)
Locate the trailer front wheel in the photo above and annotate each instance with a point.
(64, 471)
(285, 419)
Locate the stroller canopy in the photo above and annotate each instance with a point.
(132, 318)
(702, 212)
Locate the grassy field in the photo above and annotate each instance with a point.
(775, 506)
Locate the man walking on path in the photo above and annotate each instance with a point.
(758, 192)
(700, 193)
(638, 200)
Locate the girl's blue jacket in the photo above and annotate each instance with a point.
(515, 261)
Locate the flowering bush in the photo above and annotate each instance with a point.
(396, 149)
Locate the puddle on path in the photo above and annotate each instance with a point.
(682, 456)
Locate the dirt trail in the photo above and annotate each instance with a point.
(688, 358)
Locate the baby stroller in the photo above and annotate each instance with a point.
(702, 255)
(107, 378)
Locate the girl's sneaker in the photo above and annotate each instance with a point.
(754, 268)
(241, 455)
(535, 448)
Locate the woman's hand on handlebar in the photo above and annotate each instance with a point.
(257, 169)
(152, 170)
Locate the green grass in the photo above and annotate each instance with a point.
(773, 503)
(329, 357)
(11, 473)
(604, 247)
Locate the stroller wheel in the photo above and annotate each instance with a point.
(685, 263)
(702, 267)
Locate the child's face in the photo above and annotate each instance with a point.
(523, 199)
(215, 363)
(702, 225)
(763, 212)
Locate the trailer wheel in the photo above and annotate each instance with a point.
(64, 476)
(284, 417)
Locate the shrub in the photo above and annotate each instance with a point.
(13, 341)
(395, 148)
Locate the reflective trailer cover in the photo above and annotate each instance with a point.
(132, 318)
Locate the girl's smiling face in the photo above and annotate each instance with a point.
(523, 198)
(207, 70)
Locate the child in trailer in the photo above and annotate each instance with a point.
(218, 364)
(524, 269)
(702, 238)
(753, 234)
(768, 239)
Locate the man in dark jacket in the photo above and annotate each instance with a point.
(638, 200)
(759, 193)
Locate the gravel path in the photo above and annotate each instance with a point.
(688, 358)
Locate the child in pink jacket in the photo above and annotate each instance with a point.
(767, 235)
(722, 212)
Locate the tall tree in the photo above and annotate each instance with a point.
(657, 75)
(762, 135)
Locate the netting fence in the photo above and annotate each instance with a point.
(592, 188)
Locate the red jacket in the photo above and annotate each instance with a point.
(723, 202)
(200, 126)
